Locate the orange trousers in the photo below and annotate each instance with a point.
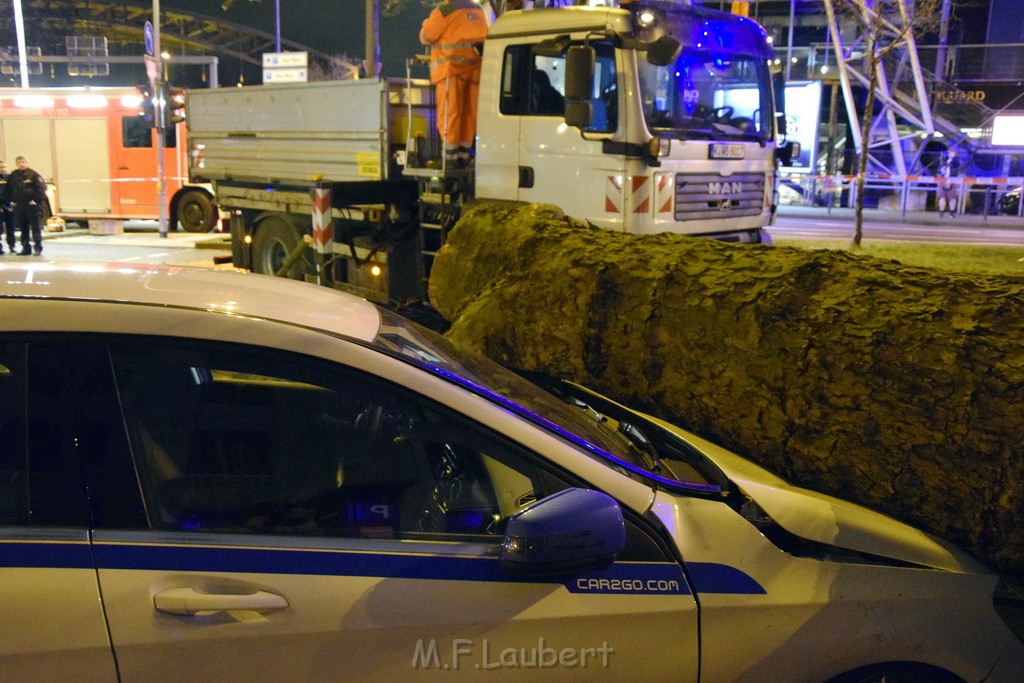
(456, 110)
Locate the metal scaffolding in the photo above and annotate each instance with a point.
(879, 53)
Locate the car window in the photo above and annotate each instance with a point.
(40, 482)
(13, 456)
(246, 440)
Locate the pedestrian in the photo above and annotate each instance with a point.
(28, 193)
(6, 213)
(947, 188)
(455, 31)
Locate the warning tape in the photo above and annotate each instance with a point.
(967, 180)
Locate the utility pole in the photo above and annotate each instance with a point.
(940, 54)
(277, 25)
(159, 113)
(372, 37)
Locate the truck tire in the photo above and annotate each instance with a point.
(275, 237)
(195, 211)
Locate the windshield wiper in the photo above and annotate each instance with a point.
(643, 444)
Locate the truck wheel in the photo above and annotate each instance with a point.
(195, 211)
(275, 238)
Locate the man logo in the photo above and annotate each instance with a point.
(725, 188)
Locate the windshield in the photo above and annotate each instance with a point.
(574, 419)
(708, 95)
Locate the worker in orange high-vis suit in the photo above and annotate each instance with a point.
(455, 31)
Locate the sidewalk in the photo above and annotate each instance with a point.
(915, 217)
(144, 237)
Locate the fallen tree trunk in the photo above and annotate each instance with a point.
(893, 386)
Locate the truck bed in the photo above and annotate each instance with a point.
(293, 133)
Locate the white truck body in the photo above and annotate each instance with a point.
(686, 147)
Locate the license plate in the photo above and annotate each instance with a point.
(721, 151)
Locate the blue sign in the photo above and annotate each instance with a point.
(148, 33)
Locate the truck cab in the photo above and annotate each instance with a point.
(683, 145)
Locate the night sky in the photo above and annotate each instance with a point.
(336, 27)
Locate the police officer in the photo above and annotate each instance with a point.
(454, 31)
(28, 192)
(6, 214)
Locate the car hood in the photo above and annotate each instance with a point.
(825, 519)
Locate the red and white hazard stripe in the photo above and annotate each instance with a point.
(640, 193)
(664, 192)
(323, 224)
(613, 194)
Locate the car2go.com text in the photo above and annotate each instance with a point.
(483, 655)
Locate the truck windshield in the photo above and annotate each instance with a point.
(708, 95)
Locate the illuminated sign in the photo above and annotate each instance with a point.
(803, 110)
(1008, 131)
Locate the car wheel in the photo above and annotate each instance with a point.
(898, 672)
(196, 212)
(275, 238)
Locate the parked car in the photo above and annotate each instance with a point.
(1009, 203)
(210, 475)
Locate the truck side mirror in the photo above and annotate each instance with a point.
(579, 113)
(579, 72)
(663, 51)
(579, 85)
(787, 152)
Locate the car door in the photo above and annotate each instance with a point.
(557, 159)
(307, 521)
(52, 626)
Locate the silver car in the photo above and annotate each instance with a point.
(210, 475)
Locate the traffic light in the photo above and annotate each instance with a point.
(147, 110)
(174, 105)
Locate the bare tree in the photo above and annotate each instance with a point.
(884, 27)
(336, 68)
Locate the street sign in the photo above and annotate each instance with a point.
(147, 32)
(285, 75)
(285, 67)
(152, 71)
(273, 60)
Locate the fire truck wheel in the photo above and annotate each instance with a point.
(275, 237)
(196, 212)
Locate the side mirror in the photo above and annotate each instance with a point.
(579, 85)
(579, 72)
(785, 153)
(573, 530)
(579, 113)
(663, 51)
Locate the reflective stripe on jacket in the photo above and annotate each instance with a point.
(452, 30)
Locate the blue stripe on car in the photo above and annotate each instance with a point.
(620, 578)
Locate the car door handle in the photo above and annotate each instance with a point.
(526, 177)
(189, 602)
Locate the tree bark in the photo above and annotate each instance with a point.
(896, 387)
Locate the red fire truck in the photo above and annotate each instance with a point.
(98, 155)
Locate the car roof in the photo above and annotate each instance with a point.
(201, 289)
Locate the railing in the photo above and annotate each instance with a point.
(975, 195)
(999, 62)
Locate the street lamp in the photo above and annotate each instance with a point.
(19, 27)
